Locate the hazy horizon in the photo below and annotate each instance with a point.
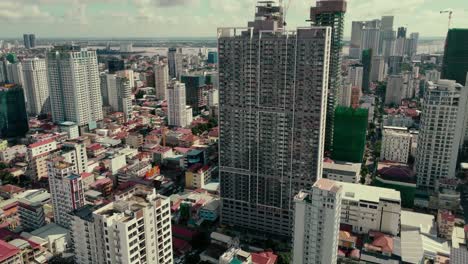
(200, 18)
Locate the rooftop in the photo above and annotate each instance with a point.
(7, 251)
(85, 212)
(67, 123)
(418, 221)
(343, 166)
(41, 143)
(359, 192)
(34, 197)
(327, 185)
(51, 230)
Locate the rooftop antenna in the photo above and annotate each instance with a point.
(450, 12)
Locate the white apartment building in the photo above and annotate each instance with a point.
(38, 153)
(370, 39)
(432, 75)
(135, 229)
(367, 208)
(355, 74)
(342, 171)
(161, 72)
(396, 144)
(395, 89)
(129, 74)
(30, 208)
(441, 132)
(36, 86)
(15, 72)
(176, 107)
(75, 153)
(179, 63)
(66, 189)
(10, 153)
(378, 69)
(116, 93)
(74, 86)
(317, 223)
(70, 128)
(345, 99)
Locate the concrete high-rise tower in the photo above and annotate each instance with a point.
(176, 105)
(26, 41)
(331, 14)
(171, 61)
(441, 132)
(66, 189)
(32, 40)
(136, 228)
(272, 112)
(161, 73)
(317, 223)
(36, 86)
(74, 86)
(116, 93)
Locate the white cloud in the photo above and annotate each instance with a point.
(12, 11)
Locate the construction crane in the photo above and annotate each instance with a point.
(285, 7)
(450, 12)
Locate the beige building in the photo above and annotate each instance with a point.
(132, 230)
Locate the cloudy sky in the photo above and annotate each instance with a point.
(193, 18)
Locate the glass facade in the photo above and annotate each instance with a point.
(13, 117)
(455, 64)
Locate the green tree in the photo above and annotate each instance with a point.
(284, 258)
(140, 94)
(377, 148)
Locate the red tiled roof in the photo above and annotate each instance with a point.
(447, 216)
(355, 253)
(214, 132)
(7, 250)
(94, 146)
(183, 232)
(100, 182)
(86, 175)
(184, 131)
(182, 150)
(264, 258)
(9, 188)
(181, 245)
(384, 242)
(161, 149)
(40, 143)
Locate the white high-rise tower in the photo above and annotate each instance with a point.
(161, 72)
(176, 104)
(441, 132)
(36, 86)
(317, 223)
(74, 86)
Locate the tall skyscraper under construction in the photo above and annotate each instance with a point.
(331, 13)
(273, 93)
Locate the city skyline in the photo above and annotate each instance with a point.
(163, 18)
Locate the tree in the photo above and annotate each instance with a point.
(140, 94)
(284, 258)
(377, 148)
